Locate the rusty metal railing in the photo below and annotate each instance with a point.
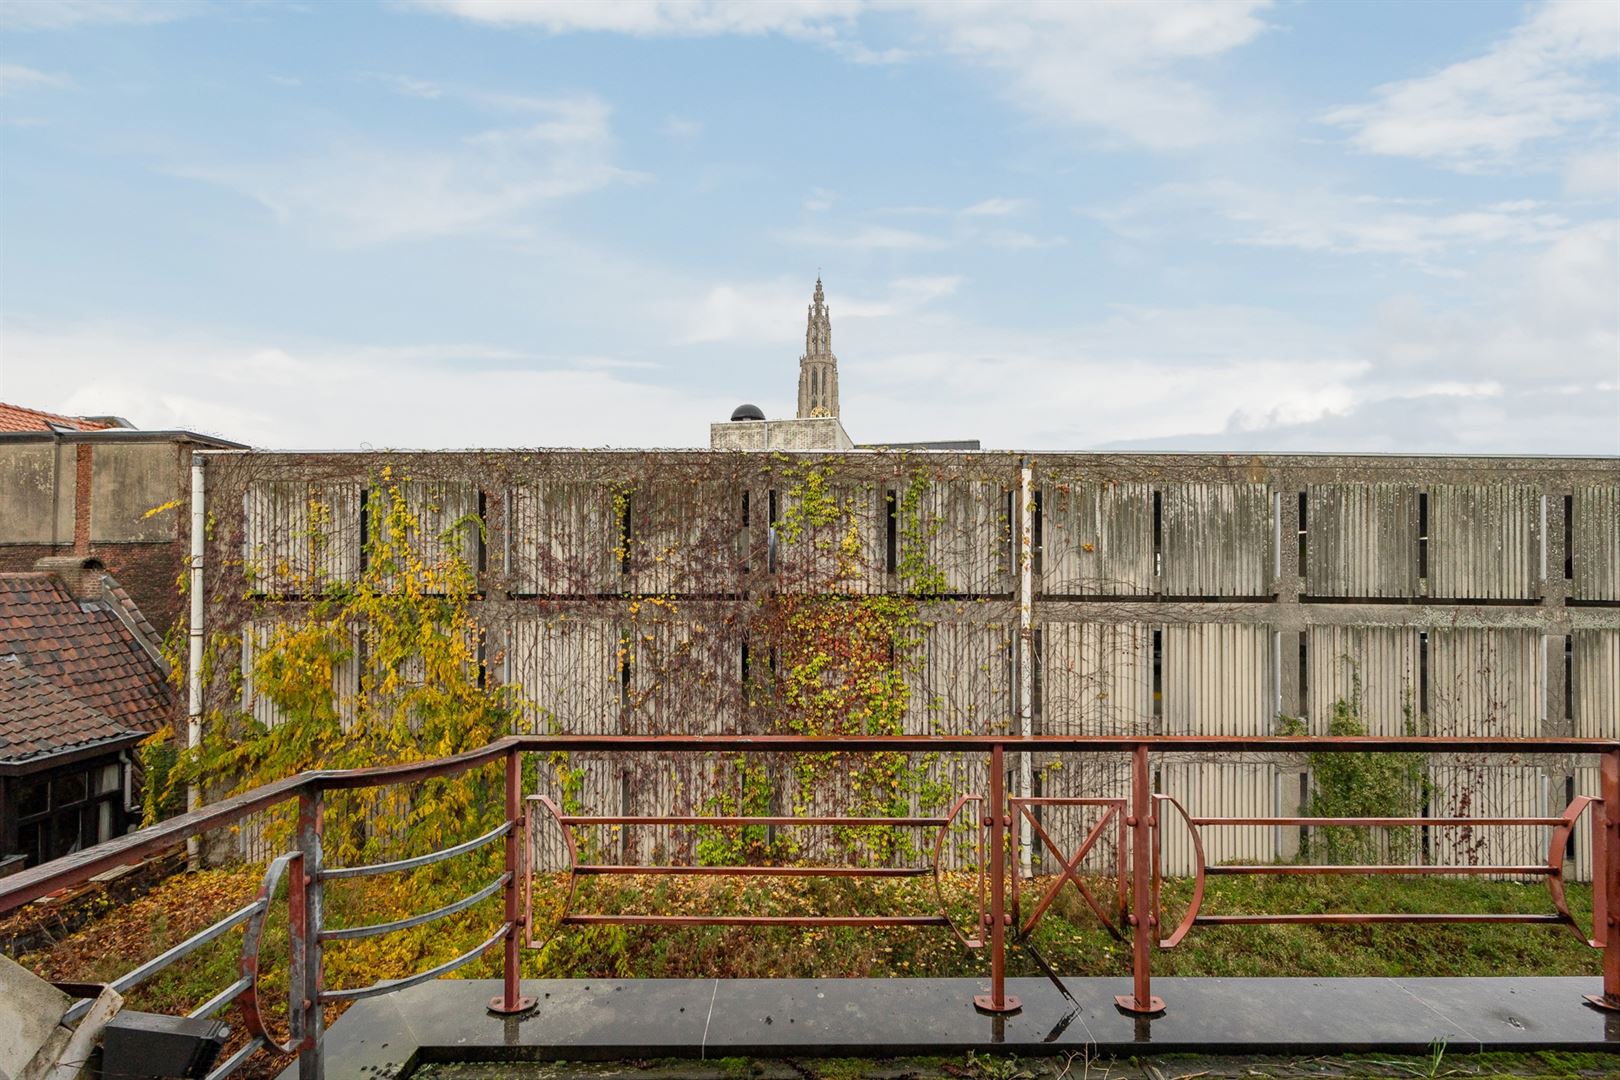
(304, 870)
(1138, 822)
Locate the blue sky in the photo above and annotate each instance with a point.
(1290, 226)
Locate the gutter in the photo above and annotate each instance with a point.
(194, 673)
(40, 762)
(120, 435)
(1026, 651)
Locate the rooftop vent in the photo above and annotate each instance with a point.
(747, 412)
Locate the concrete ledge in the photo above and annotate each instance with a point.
(596, 1020)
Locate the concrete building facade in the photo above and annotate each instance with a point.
(1166, 594)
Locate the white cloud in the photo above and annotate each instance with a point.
(649, 18)
(1140, 372)
(681, 127)
(407, 86)
(1109, 66)
(1332, 223)
(307, 395)
(67, 14)
(1014, 240)
(996, 206)
(1529, 365)
(865, 238)
(1533, 85)
(360, 193)
(15, 77)
(820, 199)
(773, 312)
(496, 100)
(1595, 174)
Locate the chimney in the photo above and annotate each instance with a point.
(81, 574)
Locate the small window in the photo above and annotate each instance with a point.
(1423, 675)
(1158, 533)
(626, 534)
(1304, 674)
(1304, 531)
(108, 778)
(1037, 693)
(1569, 677)
(891, 532)
(1423, 534)
(1158, 673)
(1569, 537)
(31, 841)
(68, 788)
(33, 797)
(771, 552)
(1037, 539)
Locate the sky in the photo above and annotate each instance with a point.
(1382, 227)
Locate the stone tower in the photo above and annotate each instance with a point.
(818, 367)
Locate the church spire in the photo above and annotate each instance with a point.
(818, 367)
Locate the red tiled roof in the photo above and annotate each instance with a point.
(84, 648)
(38, 717)
(127, 603)
(17, 418)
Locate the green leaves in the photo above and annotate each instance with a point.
(1360, 785)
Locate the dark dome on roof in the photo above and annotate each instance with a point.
(747, 412)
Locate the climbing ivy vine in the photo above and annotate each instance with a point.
(1381, 784)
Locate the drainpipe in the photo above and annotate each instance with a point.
(194, 673)
(1026, 650)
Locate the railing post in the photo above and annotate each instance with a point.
(997, 818)
(511, 999)
(308, 994)
(1606, 880)
(1144, 927)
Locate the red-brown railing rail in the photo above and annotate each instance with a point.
(1139, 822)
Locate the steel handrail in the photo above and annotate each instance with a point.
(78, 867)
(348, 933)
(329, 873)
(133, 978)
(388, 986)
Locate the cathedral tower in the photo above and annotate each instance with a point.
(818, 367)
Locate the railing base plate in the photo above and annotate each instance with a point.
(497, 1005)
(1127, 1003)
(984, 1003)
(1607, 1004)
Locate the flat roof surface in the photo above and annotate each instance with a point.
(606, 1019)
